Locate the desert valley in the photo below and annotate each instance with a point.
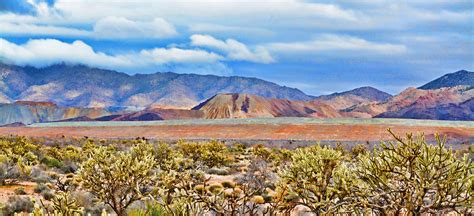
(236, 108)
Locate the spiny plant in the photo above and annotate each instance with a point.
(318, 179)
(411, 175)
(116, 178)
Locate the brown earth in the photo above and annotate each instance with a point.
(316, 132)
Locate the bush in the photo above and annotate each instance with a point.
(20, 191)
(40, 188)
(218, 171)
(320, 180)
(418, 176)
(47, 194)
(52, 162)
(114, 177)
(18, 204)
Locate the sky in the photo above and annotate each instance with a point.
(319, 47)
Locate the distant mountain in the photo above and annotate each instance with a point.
(461, 77)
(451, 111)
(155, 114)
(27, 112)
(253, 106)
(353, 97)
(417, 103)
(83, 86)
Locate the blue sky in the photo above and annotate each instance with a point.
(317, 46)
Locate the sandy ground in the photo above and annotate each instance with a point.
(312, 132)
(7, 191)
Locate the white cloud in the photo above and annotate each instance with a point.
(10, 28)
(43, 52)
(228, 29)
(105, 28)
(330, 42)
(202, 10)
(120, 27)
(233, 49)
(176, 55)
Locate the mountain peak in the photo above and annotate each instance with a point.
(461, 77)
(233, 105)
(366, 92)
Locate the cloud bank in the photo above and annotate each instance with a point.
(44, 52)
(233, 49)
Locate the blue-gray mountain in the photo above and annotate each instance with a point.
(462, 77)
(343, 100)
(82, 86)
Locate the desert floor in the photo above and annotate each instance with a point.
(276, 133)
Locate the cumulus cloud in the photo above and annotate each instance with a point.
(331, 42)
(43, 52)
(105, 28)
(228, 29)
(10, 28)
(120, 27)
(233, 49)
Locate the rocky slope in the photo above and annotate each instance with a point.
(83, 86)
(253, 106)
(353, 97)
(461, 77)
(417, 103)
(27, 112)
(451, 111)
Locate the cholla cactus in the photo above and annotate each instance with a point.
(318, 179)
(411, 175)
(116, 178)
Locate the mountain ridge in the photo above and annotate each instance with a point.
(79, 85)
(461, 77)
(346, 99)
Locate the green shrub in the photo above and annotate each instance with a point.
(52, 162)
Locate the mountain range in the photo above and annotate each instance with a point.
(82, 86)
(81, 93)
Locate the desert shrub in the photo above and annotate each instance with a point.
(89, 202)
(318, 179)
(68, 166)
(192, 150)
(18, 204)
(64, 204)
(40, 188)
(411, 175)
(38, 175)
(258, 176)
(238, 148)
(47, 194)
(262, 152)
(8, 173)
(114, 177)
(228, 199)
(20, 191)
(51, 162)
(218, 171)
(211, 154)
(358, 149)
(173, 188)
(215, 154)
